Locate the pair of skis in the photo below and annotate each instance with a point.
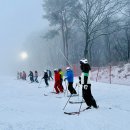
(53, 93)
(76, 102)
(77, 112)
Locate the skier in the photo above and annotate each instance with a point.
(49, 74)
(24, 75)
(31, 76)
(84, 80)
(36, 77)
(57, 84)
(61, 77)
(45, 77)
(70, 78)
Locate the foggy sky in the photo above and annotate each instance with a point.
(18, 19)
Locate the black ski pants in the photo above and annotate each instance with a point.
(70, 88)
(46, 81)
(87, 96)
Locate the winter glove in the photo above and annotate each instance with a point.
(85, 87)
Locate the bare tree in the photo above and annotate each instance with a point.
(58, 13)
(91, 15)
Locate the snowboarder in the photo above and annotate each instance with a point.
(84, 80)
(31, 76)
(45, 77)
(36, 77)
(70, 79)
(57, 85)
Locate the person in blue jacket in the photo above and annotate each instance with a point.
(70, 79)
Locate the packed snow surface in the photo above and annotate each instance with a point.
(23, 106)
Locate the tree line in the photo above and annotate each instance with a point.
(95, 29)
(98, 30)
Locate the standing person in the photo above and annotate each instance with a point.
(36, 76)
(61, 77)
(31, 76)
(84, 80)
(24, 75)
(45, 77)
(70, 79)
(57, 84)
(50, 74)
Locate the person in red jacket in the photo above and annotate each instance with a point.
(57, 85)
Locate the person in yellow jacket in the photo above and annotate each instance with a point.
(61, 76)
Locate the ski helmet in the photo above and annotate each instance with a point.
(68, 68)
(83, 61)
(55, 70)
(45, 71)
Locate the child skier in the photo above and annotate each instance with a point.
(70, 78)
(45, 77)
(84, 80)
(57, 84)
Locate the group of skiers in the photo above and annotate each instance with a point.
(84, 81)
(69, 76)
(47, 76)
(21, 75)
(34, 76)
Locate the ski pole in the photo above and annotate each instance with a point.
(68, 100)
(78, 89)
(80, 106)
(40, 83)
(66, 89)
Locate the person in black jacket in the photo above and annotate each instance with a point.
(45, 77)
(31, 76)
(84, 80)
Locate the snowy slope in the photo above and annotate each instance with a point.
(23, 106)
